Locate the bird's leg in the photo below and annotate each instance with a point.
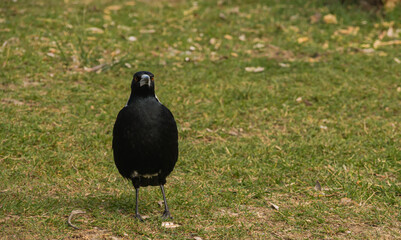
(137, 216)
(166, 213)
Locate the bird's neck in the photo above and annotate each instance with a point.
(140, 95)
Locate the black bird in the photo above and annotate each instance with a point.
(145, 139)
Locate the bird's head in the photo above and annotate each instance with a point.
(143, 82)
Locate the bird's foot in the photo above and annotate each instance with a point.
(166, 215)
(137, 216)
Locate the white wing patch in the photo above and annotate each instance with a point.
(127, 101)
(157, 98)
(136, 174)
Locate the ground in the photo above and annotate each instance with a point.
(288, 115)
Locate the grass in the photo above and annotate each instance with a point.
(324, 109)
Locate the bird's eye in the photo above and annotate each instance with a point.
(152, 78)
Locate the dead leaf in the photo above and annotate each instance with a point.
(242, 37)
(387, 24)
(368, 50)
(228, 37)
(293, 29)
(132, 39)
(197, 238)
(345, 201)
(347, 31)
(302, 40)
(170, 225)
(213, 41)
(233, 133)
(115, 53)
(299, 99)
(313, 59)
(107, 17)
(108, 9)
(259, 46)
(191, 10)
(254, 69)
(390, 33)
(284, 65)
(379, 43)
(95, 30)
(382, 54)
(50, 54)
(130, 3)
(389, 5)
(124, 28)
(315, 18)
(323, 127)
(330, 19)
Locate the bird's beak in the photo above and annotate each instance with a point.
(145, 80)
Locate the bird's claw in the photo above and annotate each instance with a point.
(137, 216)
(166, 215)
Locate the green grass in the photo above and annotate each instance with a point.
(331, 114)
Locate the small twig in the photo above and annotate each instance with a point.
(274, 206)
(73, 213)
(96, 68)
